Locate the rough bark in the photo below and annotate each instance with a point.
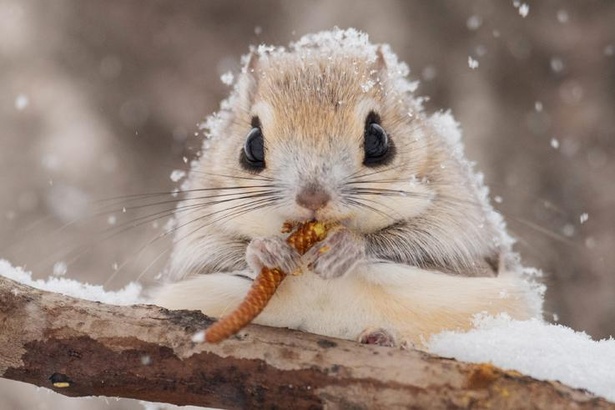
(81, 348)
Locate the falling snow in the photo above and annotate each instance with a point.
(429, 73)
(563, 16)
(472, 63)
(584, 217)
(227, 78)
(177, 174)
(474, 22)
(568, 230)
(554, 143)
(21, 102)
(59, 269)
(557, 65)
(198, 337)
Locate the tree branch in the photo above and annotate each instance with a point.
(81, 348)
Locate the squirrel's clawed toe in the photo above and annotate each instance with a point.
(378, 337)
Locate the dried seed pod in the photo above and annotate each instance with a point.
(266, 283)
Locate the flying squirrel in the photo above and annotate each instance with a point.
(329, 129)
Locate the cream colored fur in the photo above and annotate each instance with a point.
(410, 303)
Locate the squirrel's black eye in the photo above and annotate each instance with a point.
(253, 155)
(379, 149)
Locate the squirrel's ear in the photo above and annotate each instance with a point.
(380, 64)
(249, 78)
(252, 62)
(379, 67)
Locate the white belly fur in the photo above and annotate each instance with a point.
(410, 303)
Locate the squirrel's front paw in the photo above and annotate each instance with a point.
(272, 252)
(337, 254)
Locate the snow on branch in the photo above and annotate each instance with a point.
(82, 348)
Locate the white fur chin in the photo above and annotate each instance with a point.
(410, 303)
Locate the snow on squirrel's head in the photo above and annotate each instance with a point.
(329, 128)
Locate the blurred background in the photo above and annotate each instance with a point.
(101, 99)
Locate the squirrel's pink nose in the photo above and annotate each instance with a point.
(313, 198)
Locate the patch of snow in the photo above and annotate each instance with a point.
(165, 406)
(448, 128)
(537, 349)
(584, 217)
(532, 272)
(129, 295)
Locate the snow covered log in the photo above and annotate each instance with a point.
(81, 348)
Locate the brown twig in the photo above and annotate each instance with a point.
(265, 285)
